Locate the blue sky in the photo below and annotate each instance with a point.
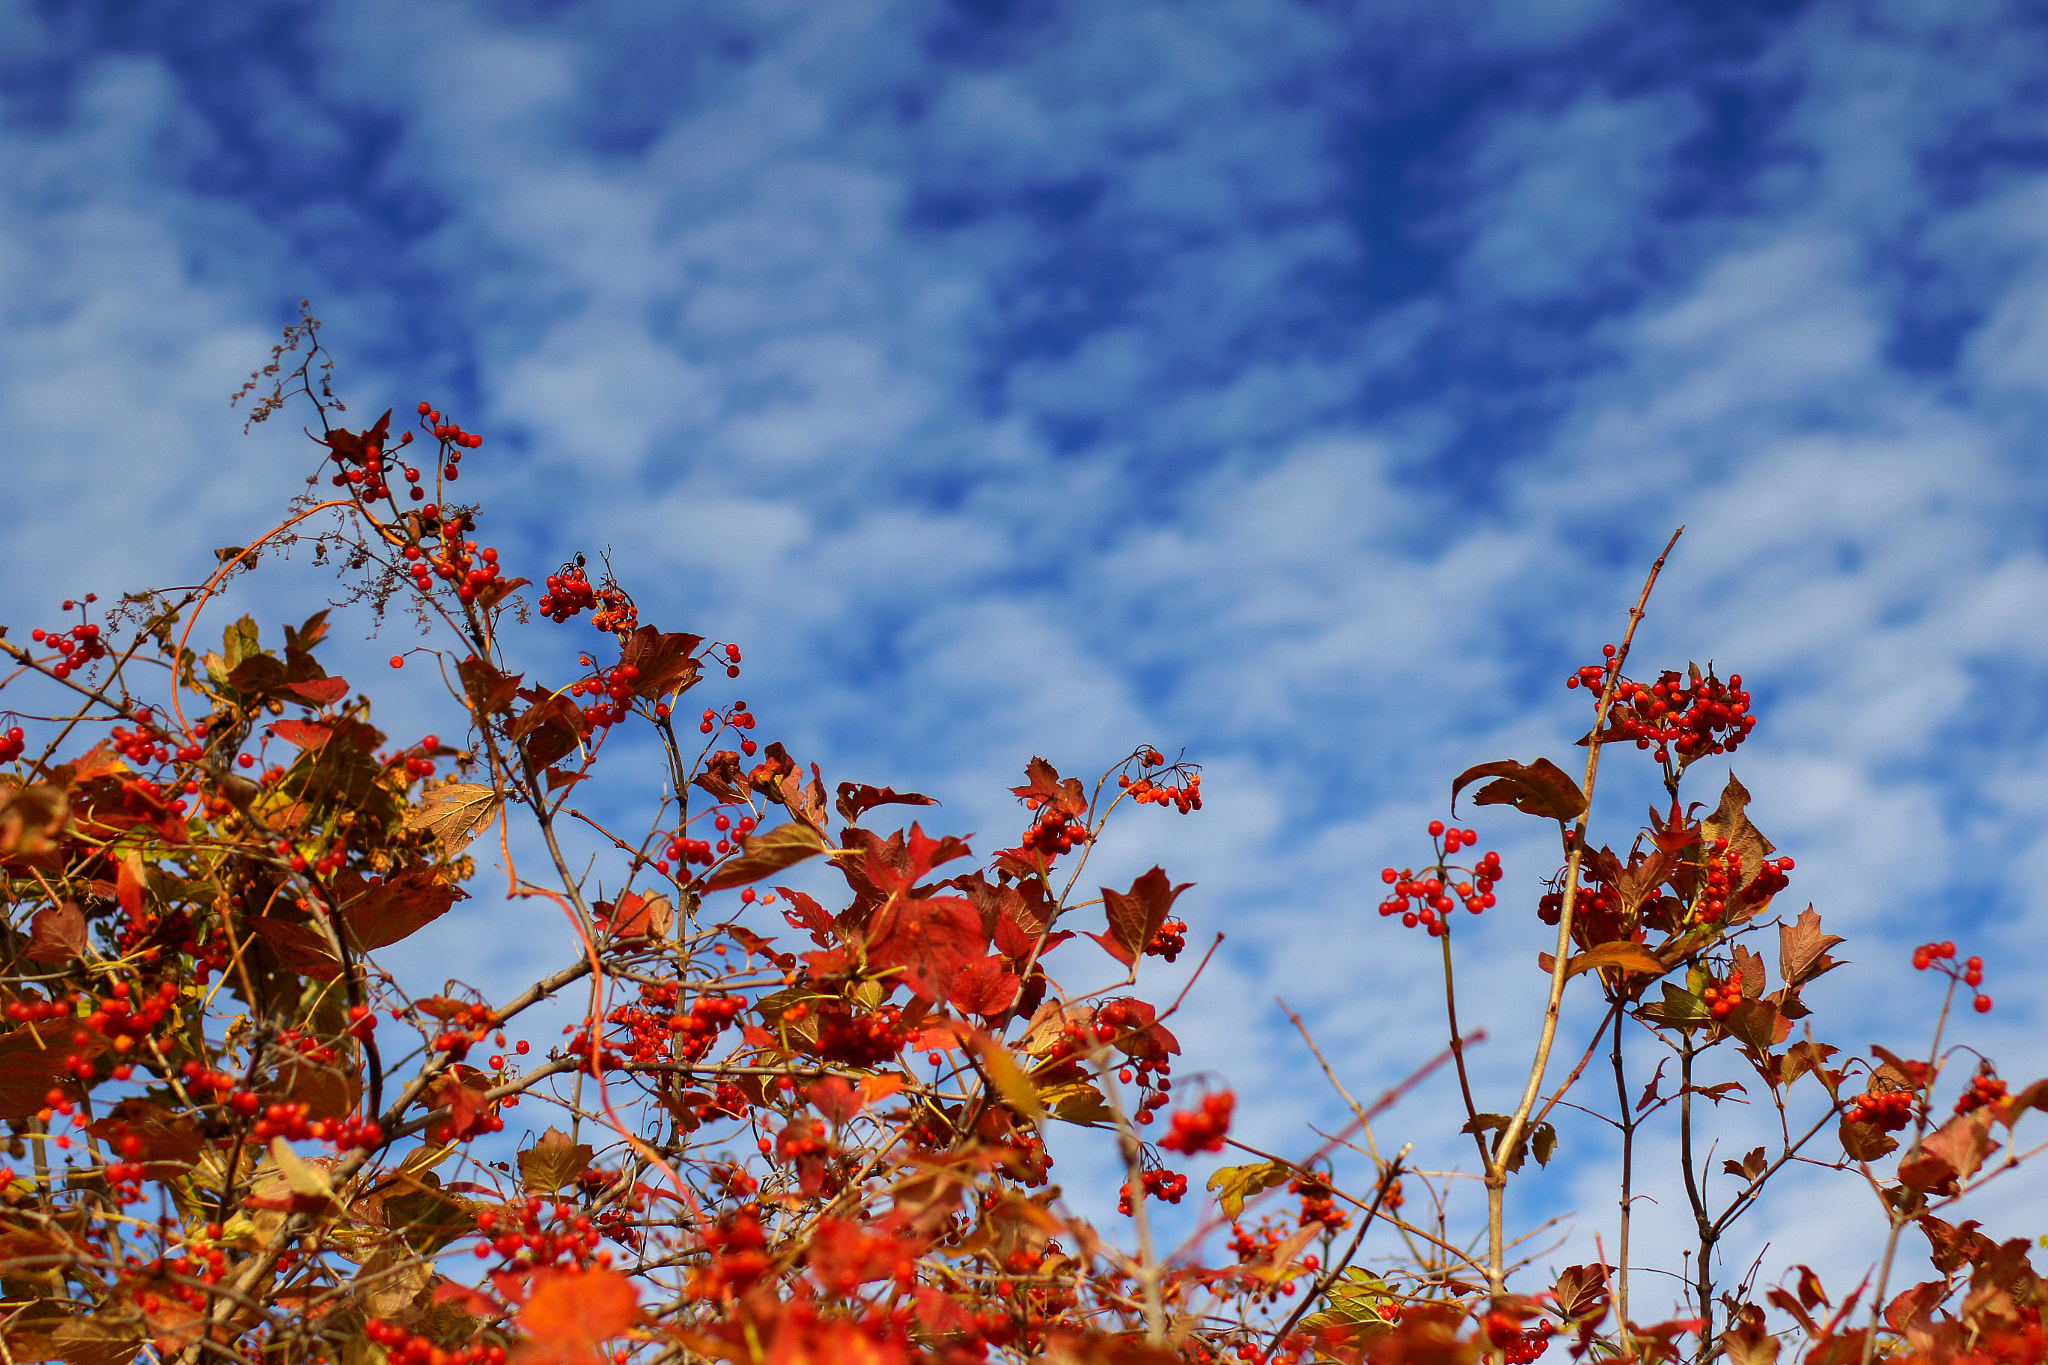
(1307, 385)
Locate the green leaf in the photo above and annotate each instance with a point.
(1681, 1009)
(1235, 1184)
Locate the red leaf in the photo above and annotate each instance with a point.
(388, 911)
(320, 691)
(301, 948)
(929, 941)
(570, 1314)
(897, 864)
(856, 799)
(986, 987)
(1046, 789)
(835, 1099)
(1135, 915)
(304, 734)
(1539, 788)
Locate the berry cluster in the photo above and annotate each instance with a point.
(1318, 1202)
(1722, 997)
(653, 1022)
(1518, 1346)
(1888, 1110)
(1053, 833)
(403, 1347)
(416, 760)
(518, 1236)
(1691, 715)
(1149, 789)
(1971, 973)
(568, 592)
(1721, 888)
(458, 561)
(615, 686)
(1427, 899)
(732, 661)
(76, 647)
(12, 743)
(1159, 1183)
(1984, 1088)
(1171, 939)
(615, 611)
(1122, 1024)
(1201, 1130)
(683, 850)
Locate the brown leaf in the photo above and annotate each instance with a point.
(1135, 916)
(1803, 949)
(453, 813)
(856, 800)
(30, 819)
(547, 729)
(299, 946)
(1865, 1141)
(1730, 821)
(488, 690)
(1539, 788)
(1748, 1340)
(666, 662)
(554, 1161)
(56, 934)
(767, 852)
(1757, 1023)
(723, 777)
(401, 904)
(1621, 953)
(1963, 1142)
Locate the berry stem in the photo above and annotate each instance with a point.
(1575, 847)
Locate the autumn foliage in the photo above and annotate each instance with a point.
(234, 1135)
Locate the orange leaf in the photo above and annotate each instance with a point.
(570, 1315)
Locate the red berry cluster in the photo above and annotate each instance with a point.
(683, 850)
(1171, 939)
(1517, 1345)
(466, 1025)
(655, 1020)
(1722, 997)
(1159, 1183)
(1719, 889)
(12, 743)
(143, 745)
(518, 1235)
(859, 1040)
(1690, 714)
(76, 647)
(1201, 1130)
(615, 686)
(1053, 833)
(615, 610)
(732, 661)
(454, 440)
(403, 1347)
(1319, 1202)
(1971, 973)
(1889, 1110)
(415, 760)
(568, 592)
(458, 561)
(739, 718)
(1984, 1088)
(1151, 789)
(319, 866)
(1427, 899)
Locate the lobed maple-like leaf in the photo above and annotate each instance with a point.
(1135, 916)
(554, 1161)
